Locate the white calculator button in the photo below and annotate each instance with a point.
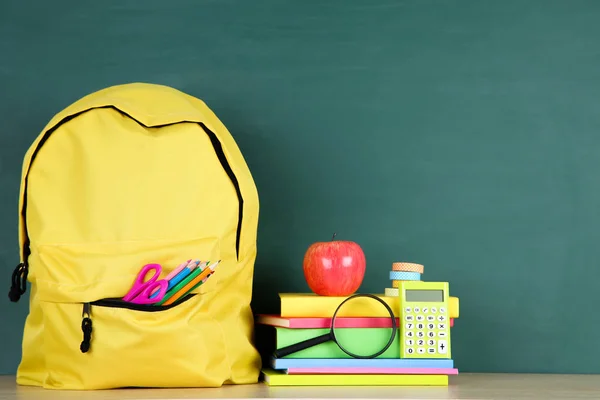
(409, 325)
(430, 318)
(421, 334)
(409, 318)
(409, 342)
(417, 309)
(443, 310)
(420, 326)
(442, 334)
(407, 309)
(410, 334)
(441, 326)
(431, 326)
(431, 350)
(421, 350)
(431, 342)
(420, 342)
(425, 310)
(410, 350)
(441, 318)
(442, 346)
(420, 318)
(431, 334)
(434, 309)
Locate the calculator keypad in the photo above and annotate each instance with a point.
(426, 332)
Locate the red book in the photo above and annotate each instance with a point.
(319, 322)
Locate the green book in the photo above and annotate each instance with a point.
(361, 341)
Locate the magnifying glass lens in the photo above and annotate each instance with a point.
(375, 338)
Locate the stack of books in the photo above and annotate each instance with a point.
(363, 327)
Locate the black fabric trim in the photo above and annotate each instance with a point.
(221, 155)
(119, 303)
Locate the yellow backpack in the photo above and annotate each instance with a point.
(133, 175)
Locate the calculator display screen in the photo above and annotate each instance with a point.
(424, 295)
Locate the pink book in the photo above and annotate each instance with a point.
(375, 371)
(310, 323)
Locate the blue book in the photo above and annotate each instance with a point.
(285, 363)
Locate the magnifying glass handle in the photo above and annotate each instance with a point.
(293, 348)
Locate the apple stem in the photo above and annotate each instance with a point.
(333, 237)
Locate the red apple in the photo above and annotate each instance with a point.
(334, 268)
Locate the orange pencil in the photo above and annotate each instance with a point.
(191, 284)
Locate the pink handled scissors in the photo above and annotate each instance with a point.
(141, 290)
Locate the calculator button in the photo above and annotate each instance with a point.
(430, 318)
(425, 310)
(431, 350)
(441, 326)
(409, 318)
(420, 318)
(421, 350)
(420, 326)
(442, 346)
(409, 342)
(442, 310)
(410, 334)
(410, 350)
(431, 342)
(431, 334)
(441, 334)
(421, 334)
(407, 309)
(420, 342)
(417, 309)
(434, 309)
(441, 318)
(431, 326)
(410, 325)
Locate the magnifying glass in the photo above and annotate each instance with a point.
(340, 339)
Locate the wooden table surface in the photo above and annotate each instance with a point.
(463, 386)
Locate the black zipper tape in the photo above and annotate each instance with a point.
(86, 315)
(225, 164)
(120, 303)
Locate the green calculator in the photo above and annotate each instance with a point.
(424, 320)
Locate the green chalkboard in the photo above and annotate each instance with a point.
(463, 135)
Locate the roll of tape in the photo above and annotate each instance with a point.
(392, 292)
(408, 267)
(404, 276)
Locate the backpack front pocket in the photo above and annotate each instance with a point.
(177, 346)
(94, 339)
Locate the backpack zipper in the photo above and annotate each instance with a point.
(86, 327)
(86, 315)
(18, 284)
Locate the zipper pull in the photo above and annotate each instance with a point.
(19, 282)
(86, 327)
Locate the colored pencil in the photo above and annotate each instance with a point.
(191, 284)
(196, 272)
